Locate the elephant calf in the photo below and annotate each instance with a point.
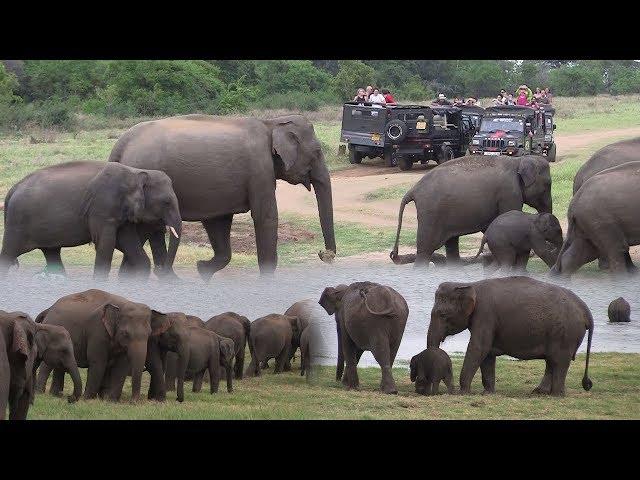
(512, 236)
(209, 351)
(237, 328)
(619, 310)
(273, 336)
(428, 368)
(369, 316)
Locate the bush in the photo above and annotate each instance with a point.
(574, 81)
(413, 89)
(303, 101)
(352, 75)
(285, 76)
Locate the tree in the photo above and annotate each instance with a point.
(352, 75)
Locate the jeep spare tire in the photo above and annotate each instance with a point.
(396, 131)
(446, 154)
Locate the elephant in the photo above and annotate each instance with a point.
(619, 310)
(75, 203)
(29, 344)
(272, 336)
(465, 195)
(171, 359)
(512, 236)
(304, 311)
(5, 376)
(612, 155)
(237, 328)
(210, 351)
(369, 316)
(428, 368)
(516, 316)
(603, 222)
(110, 336)
(221, 166)
(310, 344)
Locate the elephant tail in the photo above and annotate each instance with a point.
(586, 381)
(571, 232)
(41, 315)
(474, 259)
(388, 311)
(246, 324)
(401, 259)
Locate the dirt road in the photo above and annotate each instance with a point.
(352, 184)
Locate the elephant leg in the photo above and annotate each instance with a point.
(95, 375)
(631, 268)
(12, 248)
(488, 371)
(452, 248)
(116, 377)
(448, 381)
(264, 364)
(57, 384)
(281, 360)
(472, 360)
(435, 387)
(350, 378)
(382, 354)
(214, 373)
(579, 253)
(135, 260)
(19, 408)
(426, 243)
(54, 261)
(219, 232)
(239, 364)
(197, 382)
(264, 212)
(558, 376)
(43, 377)
(105, 245)
(545, 384)
(521, 262)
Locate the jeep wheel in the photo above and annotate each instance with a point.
(405, 163)
(551, 153)
(396, 131)
(389, 159)
(446, 154)
(354, 155)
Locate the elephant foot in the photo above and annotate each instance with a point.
(72, 399)
(166, 274)
(205, 269)
(465, 391)
(488, 392)
(327, 256)
(541, 391)
(389, 388)
(57, 394)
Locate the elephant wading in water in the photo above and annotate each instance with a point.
(221, 166)
(369, 316)
(516, 316)
(465, 195)
(603, 221)
(76, 203)
(110, 337)
(27, 345)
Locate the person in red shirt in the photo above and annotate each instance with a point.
(388, 97)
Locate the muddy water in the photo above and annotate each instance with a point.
(245, 292)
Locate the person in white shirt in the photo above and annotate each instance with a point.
(377, 97)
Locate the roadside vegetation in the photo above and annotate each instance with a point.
(615, 395)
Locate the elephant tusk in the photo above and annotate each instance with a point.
(173, 230)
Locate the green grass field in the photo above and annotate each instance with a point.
(615, 395)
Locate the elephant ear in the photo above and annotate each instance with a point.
(285, 143)
(20, 342)
(110, 314)
(546, 222)
(467, 298)
(527, 171)
(332, 297)
(160, 322)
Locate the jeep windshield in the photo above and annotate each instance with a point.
(491, 125)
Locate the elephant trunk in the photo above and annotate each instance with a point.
(181, 369)
(340, 365)
(321, 182)
(137, 354)
(435, 334)
(72, 369)
(229, 370)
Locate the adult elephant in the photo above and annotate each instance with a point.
(369, 316)
(76, 203)
(465, 195)
(516, 316)
(603, 221)
(28, 345)
(221, 166)
(236, 327)
(610, 156)
(110, 335)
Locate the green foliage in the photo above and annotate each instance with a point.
(576, 80)
(284, 76)
(63, 78)
(8, 87)
(480, 78)
(351, 75)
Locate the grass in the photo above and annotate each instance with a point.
(395, 192)
(615, 395)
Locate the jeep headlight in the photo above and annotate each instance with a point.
(475, 141)
(547, 138)
(511, 143)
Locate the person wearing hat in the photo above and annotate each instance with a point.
(528, 94)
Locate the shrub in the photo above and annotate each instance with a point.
(352, 75)
(576, 80)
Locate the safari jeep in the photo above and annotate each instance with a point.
(515, 130)
(404, 134)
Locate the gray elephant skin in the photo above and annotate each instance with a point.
(512, 236)
(465, 195)
(75, 203)
(603, 221)
(272, 336)
(210, 351)
(110, 337)
(371, 317)
(237, 328)
(428, 368)
(610, 156)
(516, 316)
(619, 310)
(221, 166)
(26, 345)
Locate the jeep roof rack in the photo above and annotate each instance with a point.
(511, 109)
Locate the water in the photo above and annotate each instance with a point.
(245, 292)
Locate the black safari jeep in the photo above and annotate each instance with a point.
(515, 130)
(404, 134)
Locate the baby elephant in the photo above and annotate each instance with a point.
(428, 368)
(273, 336)
(619, 310)
(512, 236)
(209, 351)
